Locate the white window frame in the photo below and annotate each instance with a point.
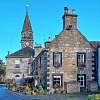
(57, 76)
(81, 57)
(81, 78)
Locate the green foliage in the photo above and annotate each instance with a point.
(94, 97)
(27, 90)
(2, 68)
(57, 91)
(64, 92)
(91, 97)
(35, 90)
(97, 97)
(13, 88)
(2, 71)
(41, 90)
(9, 83)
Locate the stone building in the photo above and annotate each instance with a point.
(96, 61)
(66, 62)
(17, 62)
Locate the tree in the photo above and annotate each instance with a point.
(2, 70)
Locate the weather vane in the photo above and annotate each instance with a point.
(27, 6)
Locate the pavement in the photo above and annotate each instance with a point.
(54, 97)
(9, 95)
(58, 97)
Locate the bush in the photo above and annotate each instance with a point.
(64, 92)
(13, 88)
(27, 90)
(41, 90)
(56, 91)
(94, 97)
(97, 97)
(91, 97)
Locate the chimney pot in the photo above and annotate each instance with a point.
(8, 53)
(66, 9)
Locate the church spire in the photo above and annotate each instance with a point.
(27, 34)
(27, 25)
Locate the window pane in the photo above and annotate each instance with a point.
(17, 66)
(81, 79)
(57, 81)
(81, 59)
(81, 83)
(57, 59)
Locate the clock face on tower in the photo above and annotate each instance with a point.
(27, 43)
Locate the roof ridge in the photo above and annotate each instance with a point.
(24, 53)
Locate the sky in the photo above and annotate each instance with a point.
(46, 20)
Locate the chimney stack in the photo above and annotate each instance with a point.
(69, 19)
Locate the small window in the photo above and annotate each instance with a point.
(81, 59)
(57, 81)
(17, 61)
(57, 59)
(17, 65)
(81, 78)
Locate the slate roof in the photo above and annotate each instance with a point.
(95, 44)
(22, 53)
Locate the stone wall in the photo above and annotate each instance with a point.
(11, 71)
(92, 86)
(69, 42)
(73, 87)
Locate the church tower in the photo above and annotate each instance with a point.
(27, 34)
